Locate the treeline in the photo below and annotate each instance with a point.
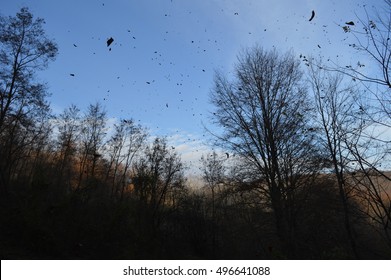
(300, 175)
(77, 194)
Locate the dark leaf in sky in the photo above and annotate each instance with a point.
(227, 154)
(109, 41)
(75, 45)
(73, 75)
(312, 15)
(349, 23)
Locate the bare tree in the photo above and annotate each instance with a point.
(25, 49)
(69, 128)
(156, 174)
(374, 191)
(371, 33)
(373, 41)
(266, 120)
(93, 131)
(213, 173)
(340, 120)
(122, 148)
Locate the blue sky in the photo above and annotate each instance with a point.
(161, 64)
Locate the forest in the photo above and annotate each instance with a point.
(299, 168)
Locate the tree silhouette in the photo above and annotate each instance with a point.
(265, 116)
(339, 113)
(157, 174)
(25, 49)
(68, 138)
(373, 41)
(213, 173)
(93, 132)
(292, 170)
(122, 148)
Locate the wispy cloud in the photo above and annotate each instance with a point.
(191, 148)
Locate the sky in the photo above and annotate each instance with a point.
(159, 69)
